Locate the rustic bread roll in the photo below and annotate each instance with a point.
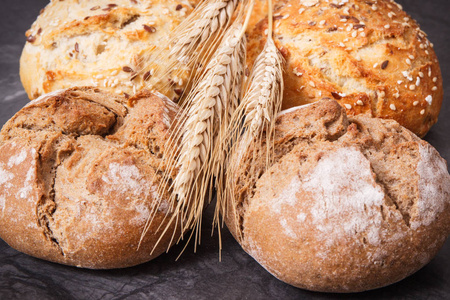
(78, 178)
(369, 55)
(104, 43)
(348, 205)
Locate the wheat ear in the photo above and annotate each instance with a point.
(259, 108)
(207, 104)
(190, 44)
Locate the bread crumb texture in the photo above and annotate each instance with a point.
(349, 203)
(370, 56)
(78, 177)
(107, 44)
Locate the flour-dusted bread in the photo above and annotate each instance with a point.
(79, 178)
(105, 43)
(348, 205)
(368, 55)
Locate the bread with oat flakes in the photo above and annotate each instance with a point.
(368, 55)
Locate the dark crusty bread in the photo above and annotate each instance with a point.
(369, 55)
(79, 177)
(349, 204)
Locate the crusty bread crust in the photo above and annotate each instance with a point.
(348, 205)
(79, 178)
(103, 43)
(368, 55)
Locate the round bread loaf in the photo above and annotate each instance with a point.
(78, 178)
(348, 205)
(369, 55)
(101, 43)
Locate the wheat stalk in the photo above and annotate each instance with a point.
(209, 103)
(260, 106)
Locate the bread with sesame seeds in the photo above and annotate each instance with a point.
(79, 176)
(348, 204)
(368, 55)
(104, 43)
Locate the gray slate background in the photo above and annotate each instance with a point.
(200, 275)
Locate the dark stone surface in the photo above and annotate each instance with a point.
(200, 275)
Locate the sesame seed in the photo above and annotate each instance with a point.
(321, 23)
(363, 34)
(412, 87)
(421, 46)
(415, 103)
(384, 64)
(434, 79)
(418, 81)
(341, 44)
(434, 88)
(359, 102)
(427, 53)
(392, 107)
(374, 7)
(387, 26)
(300, 11)
(421, 74)
(311, 83)
(411, 56)
(348, 106)
(408, 61)
(343, 20)
(375, 65)
(429, 99)
(400, 82)
(354, 34)
(406, 19)
(422, 112)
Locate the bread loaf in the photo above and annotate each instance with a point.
(348, 205)
(104, 43)
(79, 178)
(368, 55)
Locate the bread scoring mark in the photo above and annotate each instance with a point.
(289, 110)
(434, 186)
(347, 198)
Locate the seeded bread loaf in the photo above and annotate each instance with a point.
(368, 55)
(109, 44)
(348, 205)
(79, 178)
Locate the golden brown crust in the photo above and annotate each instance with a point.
(348, 205)
(370, 56)
(79, 178)
(107, 44)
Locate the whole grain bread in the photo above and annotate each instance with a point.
(370, 56)
(348, 205)
(104, 43)
(80, 170)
